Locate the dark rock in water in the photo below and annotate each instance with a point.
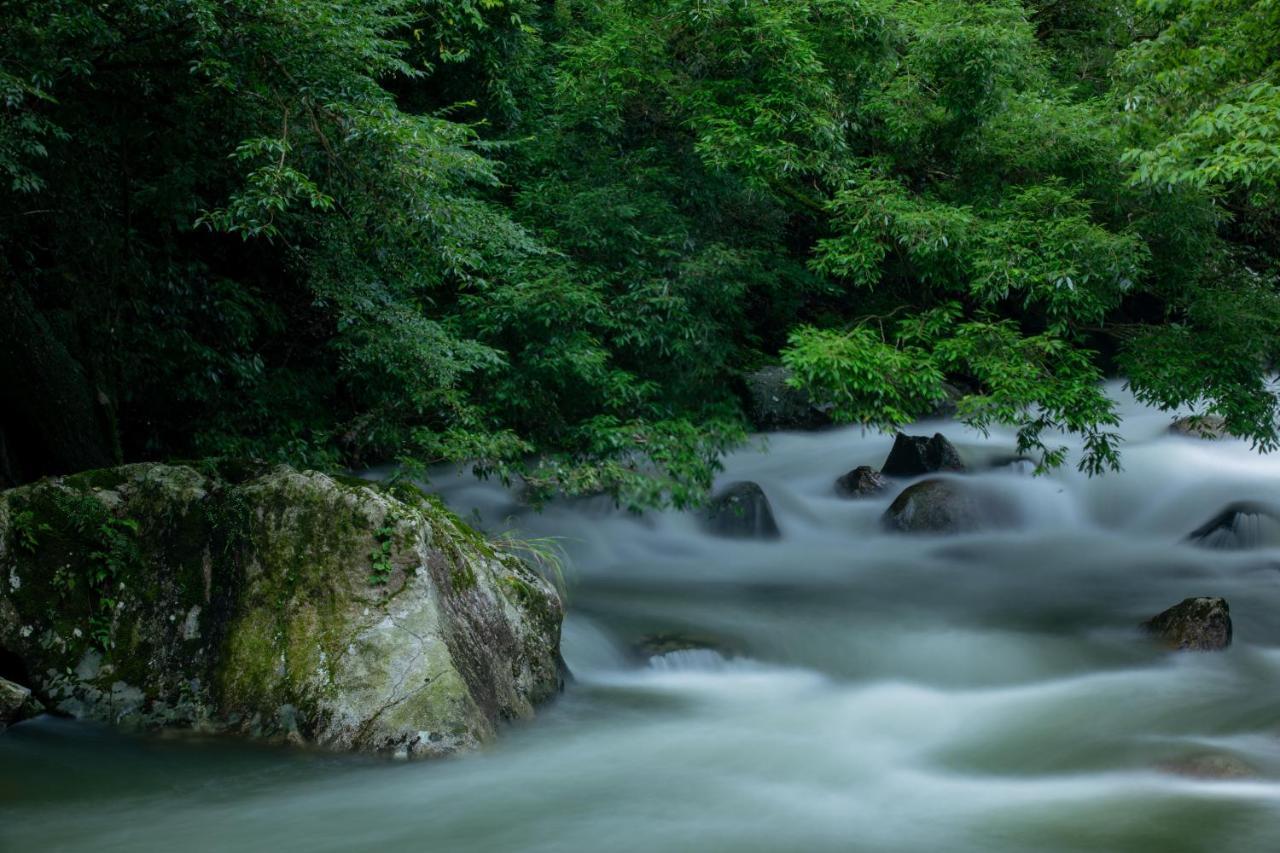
(741, 511)
(936, 506)
(776, 405)
(860, 482)
(1210, 765)
(1240, 525)
(913, 455)
(1201, 426)
(16, 704)
(1196, 624)
(288, 605)
(949, 404)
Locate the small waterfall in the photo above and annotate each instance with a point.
(685, 660)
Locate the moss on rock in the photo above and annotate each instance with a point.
(160, 595)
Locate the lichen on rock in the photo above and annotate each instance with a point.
(277, 603)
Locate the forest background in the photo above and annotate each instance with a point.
(551, 238)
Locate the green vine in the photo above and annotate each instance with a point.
(111, 548)
(28, 530)
(380, 555)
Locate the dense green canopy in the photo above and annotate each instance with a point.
(550, 238)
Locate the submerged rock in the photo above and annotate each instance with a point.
(914, 455)
(681, 651)
(862, 481)
(1210, 765)
(937, 506)
(279, 603)
(776, 405)
(1200, 426)
(1014, 464)
(1240, 525)
(16, 704)
(741, 511)
(1195, 624)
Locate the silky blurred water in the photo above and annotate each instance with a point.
(871, 692)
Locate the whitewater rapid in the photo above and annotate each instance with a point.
(874, 692)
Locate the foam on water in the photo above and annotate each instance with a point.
(985, 692)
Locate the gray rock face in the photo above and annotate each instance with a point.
(776, 405)
(914, 455)
(16, 704)
(863, 481)
(1195, 624)
(1240, 525)
(741, 511)
(1204, 426)
(936, 506)
(276, 603)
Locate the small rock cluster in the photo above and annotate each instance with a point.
(741, 510)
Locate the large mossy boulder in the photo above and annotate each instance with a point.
(277, 603)
(741, 511)
(1194, 624)
(915, 455)
(775, 405)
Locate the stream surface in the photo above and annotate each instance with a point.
(985, 692)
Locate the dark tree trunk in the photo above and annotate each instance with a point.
(54, 421)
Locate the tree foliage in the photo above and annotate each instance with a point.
(549, 239)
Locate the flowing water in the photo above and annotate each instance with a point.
(871, 692)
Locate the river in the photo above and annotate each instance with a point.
(877, 692)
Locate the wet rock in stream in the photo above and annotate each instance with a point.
(914, 455)
(943, 506)
(741, 511)
(1195, 624)
(863, 481)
